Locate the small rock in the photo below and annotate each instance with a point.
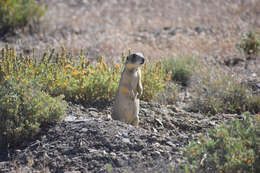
(200, 29)
(154, 130)
(159, 121)
(92, 109)
(119, 162)
(113, 154)
(173, 108)
(155, 154)
(170, 144)
(92, 150)
(212, 123)
(93, 114)
(70, 118)
(156, 144)
(126, 140)
(172, 32)
(84, 130)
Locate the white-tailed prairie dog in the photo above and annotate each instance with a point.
(126, 106)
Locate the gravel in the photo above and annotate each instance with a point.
(88, 140)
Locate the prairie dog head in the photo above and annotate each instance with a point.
(134, 61)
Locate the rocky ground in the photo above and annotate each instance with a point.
(88, 140)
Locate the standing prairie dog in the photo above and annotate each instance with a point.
(126, 107)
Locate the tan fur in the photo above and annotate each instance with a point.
(126, 107)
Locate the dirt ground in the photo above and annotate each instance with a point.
(88, 140)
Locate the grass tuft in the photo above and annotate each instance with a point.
(250, 44)
(180, 68)
(217, 92)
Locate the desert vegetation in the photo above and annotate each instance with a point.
(227, 148)
(18, 14)
(39, 87)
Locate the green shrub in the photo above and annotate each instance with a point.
(181, 69)
(153, 80)
(221, 93)
(250, 44)
(228, 148)
(85, 85)
(18, 13)
(76, 78)
(24, 109)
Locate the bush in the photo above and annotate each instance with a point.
(24, 109)
(221, 93)
(85, 85)
(76, 78)
(250, 44)
(18, 13)
(228, 148)
(153, 80)
(181, 69)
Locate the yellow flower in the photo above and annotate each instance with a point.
(76, 72)
(117, 66)
(65, 84)
(83, 71)
(168, 78)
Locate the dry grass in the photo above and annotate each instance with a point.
(109, 28)
(217, 91)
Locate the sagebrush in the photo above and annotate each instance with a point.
(25, 109)
(228, 148)
(218, 92)
(180, 68)
(250, 43)
(15, 14)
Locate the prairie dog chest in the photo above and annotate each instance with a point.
(135, 75)
(133, 78)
